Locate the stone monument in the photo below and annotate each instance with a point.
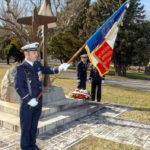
(7, 91)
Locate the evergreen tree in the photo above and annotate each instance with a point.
(63, 46)
(142, 52)
(130, 36)
(98, 13)
(67, 40)
(11, 49)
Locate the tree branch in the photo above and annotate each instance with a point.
(33, 3)
(7, 20)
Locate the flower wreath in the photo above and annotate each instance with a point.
(80, 94)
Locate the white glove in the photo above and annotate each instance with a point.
(33, 102)
(103, 81)
(89, 81)
(78, 80)
(63, 66)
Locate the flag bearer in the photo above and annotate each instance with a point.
(28, 85)
(96, 81)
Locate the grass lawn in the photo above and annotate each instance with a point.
(138, 115)
(117, 95)
(94, 143)
(140, 100)
(131, 74)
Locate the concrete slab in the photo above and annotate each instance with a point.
(55, 106)
(53, 121)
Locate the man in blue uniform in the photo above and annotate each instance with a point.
(28, 85)
(82, 72)
(96, 81)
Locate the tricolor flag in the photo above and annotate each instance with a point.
(100, 45)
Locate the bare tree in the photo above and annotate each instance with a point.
(11, 10)
(9, 13)
(69, 12)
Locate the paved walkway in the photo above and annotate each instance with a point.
(143, 85)
(5, 66)
(105, 123)
(129, 83)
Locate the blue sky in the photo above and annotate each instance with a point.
(147, 7)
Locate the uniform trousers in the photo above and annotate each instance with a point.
(81, 85)
(29, 117)
(96, 90)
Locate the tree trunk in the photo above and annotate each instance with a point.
(7, 60)
(147, 70)
(124, 70)
(74, 64)
(117, 69)
(139, 69)
(61, 61)
(120, 70)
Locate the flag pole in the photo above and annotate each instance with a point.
(56, 76)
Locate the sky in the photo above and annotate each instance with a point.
(146, 4)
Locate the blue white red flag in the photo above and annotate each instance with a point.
(100, 45)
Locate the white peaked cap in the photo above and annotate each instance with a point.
(30, 47)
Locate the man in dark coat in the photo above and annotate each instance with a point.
(82, 72)
(28, 85)
(96, 81)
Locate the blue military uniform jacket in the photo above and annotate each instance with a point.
(24, 71)
(82, 71)
(94, 76)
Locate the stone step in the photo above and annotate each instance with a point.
(10, 108)
(13, 108)
(58, 106)
(9, 121)
(67, 103)
(51, 122)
